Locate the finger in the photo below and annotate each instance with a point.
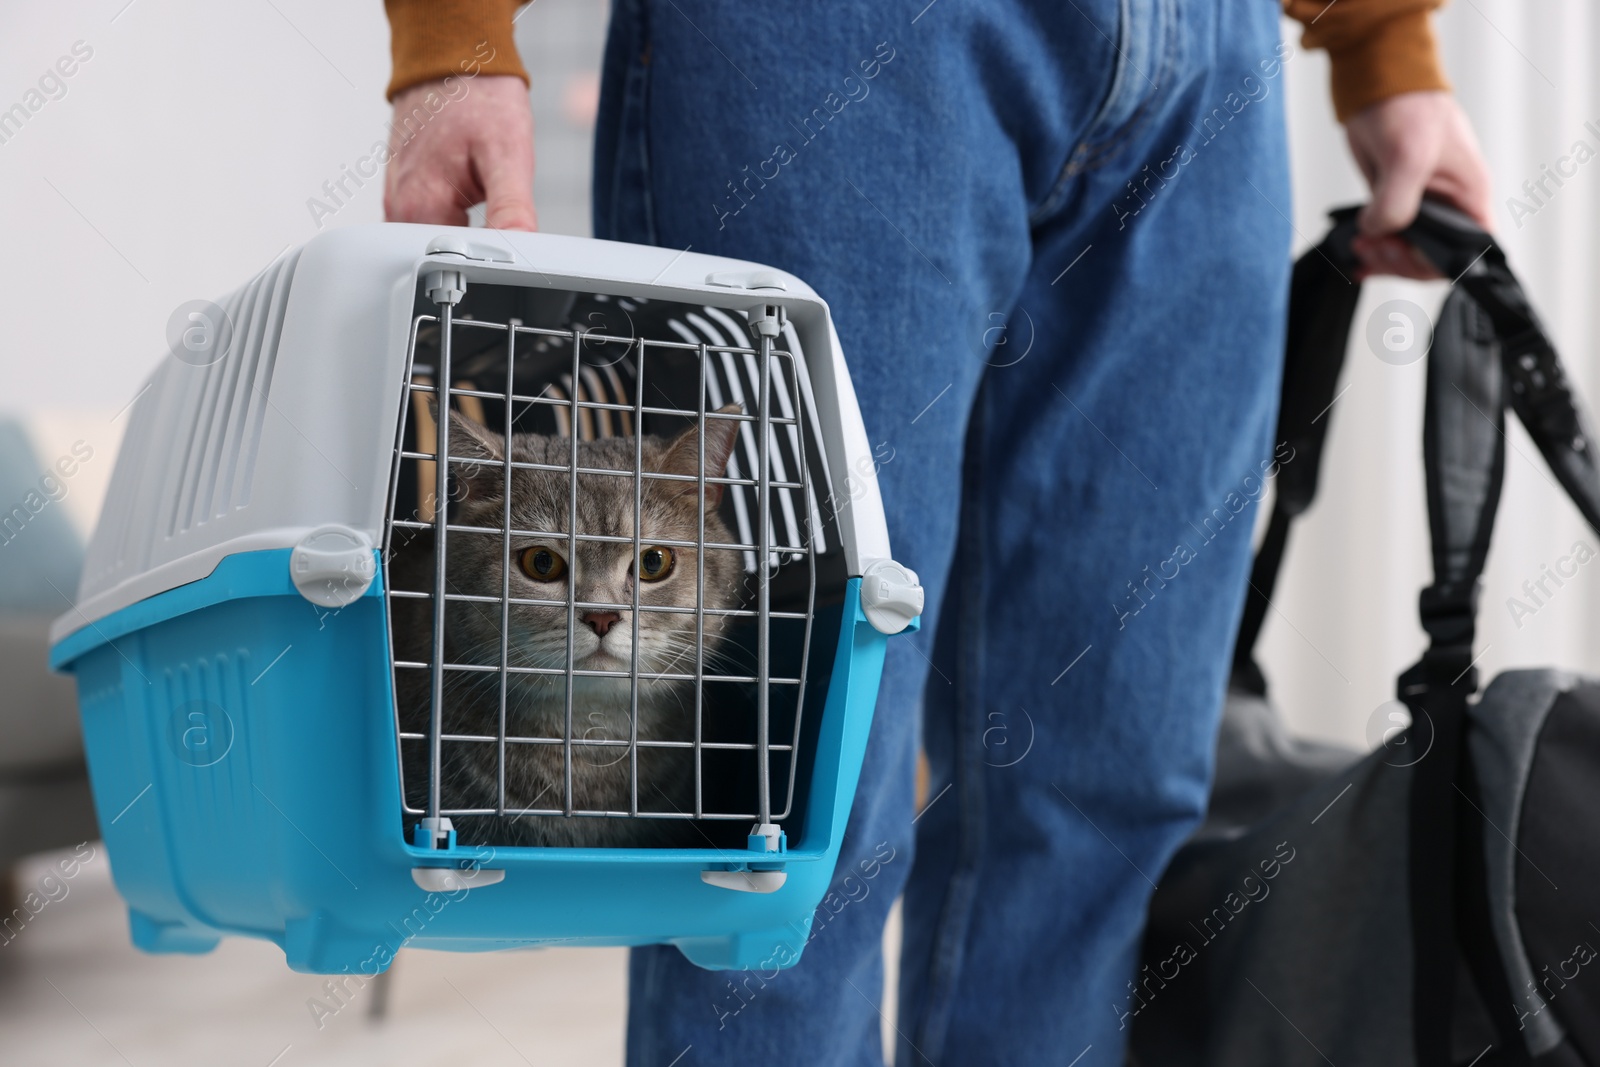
(510, 207)
(506, 173)
(1469, 175)
(1391, 255)
(1470, 193)
(1363, 158)
(426, 199)
(1396, 196)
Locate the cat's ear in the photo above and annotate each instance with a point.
(474, 441)
(683, 454)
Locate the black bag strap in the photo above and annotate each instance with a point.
(1486, 308)
(1322, 300)
(1489, 351)
(1463, 434)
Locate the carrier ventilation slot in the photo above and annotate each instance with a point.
(219, 465)
(211, 418)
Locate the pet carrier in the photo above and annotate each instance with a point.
(603, 677)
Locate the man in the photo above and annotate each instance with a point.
(1055, 240)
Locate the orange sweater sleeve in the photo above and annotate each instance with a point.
(1378, 48)
(431, 39)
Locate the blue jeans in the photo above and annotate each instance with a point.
(1054, 238)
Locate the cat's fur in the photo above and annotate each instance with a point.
(535, 704)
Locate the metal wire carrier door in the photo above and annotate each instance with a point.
(745, 693)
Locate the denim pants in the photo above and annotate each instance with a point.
(1055, 241)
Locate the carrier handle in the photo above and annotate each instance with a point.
(1491, 349)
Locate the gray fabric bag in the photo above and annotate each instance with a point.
(1435, 902)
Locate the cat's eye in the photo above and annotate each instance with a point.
(655, 563)
(541, 564)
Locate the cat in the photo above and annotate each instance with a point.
(535, 704)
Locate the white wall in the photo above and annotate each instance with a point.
(1346, 621)
(183, 154)
(177, 164)
(181, 158)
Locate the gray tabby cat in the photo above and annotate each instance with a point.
(604, 572)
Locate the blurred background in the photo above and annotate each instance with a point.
(179, 158)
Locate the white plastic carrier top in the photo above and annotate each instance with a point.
(294, 428)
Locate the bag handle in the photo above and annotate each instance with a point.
(1486, 308)
(1322, 301)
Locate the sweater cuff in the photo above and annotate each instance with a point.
(433, 39)
(1397, 57)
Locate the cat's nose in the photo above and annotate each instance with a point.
(601, 621)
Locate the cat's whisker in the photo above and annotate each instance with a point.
(716, 657)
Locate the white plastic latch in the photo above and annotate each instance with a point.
(891, 595)
(748, 279)
(746, 881)
(455, 244)
(452, 879)
(332, 566)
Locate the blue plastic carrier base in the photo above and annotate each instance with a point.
(280, 817)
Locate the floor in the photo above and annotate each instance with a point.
(74, 991)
